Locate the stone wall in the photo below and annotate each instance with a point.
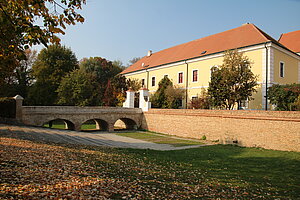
(267, 129)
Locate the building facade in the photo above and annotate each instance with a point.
(188, 65)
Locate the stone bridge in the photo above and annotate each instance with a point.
(105, 118)
(73, 116)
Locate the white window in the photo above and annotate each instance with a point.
(281, 69)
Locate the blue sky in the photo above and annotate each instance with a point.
(123, 29)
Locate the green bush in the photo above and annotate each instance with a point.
(7, 107)
(284, 96)
(296, 104)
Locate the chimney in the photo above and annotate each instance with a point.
(149, 53)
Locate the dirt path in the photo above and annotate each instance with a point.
(86, 138)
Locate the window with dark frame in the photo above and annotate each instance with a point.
(180, 102)
(195, 75)
(281, 69)
(143, 82)
(194, 98)
(180, 77)
(153, 81)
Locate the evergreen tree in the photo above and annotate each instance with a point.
(159, 98)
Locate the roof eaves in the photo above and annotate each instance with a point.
(197, 57)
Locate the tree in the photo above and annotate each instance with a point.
(174, 96)
(284, 97)
(118, 64)
(159, 98)
(30, 22)
(52, 64)
(232, 82)
(77, 89)
(23, 72)
(98, 84)
(134, 84)
(133, 60)
(120, 87)
(104, 72)
(19, 81)
(201, 102)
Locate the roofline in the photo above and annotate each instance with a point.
(262, 33)
(279, 44)
(280, 37)
(198, 57)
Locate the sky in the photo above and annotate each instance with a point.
(124, 29)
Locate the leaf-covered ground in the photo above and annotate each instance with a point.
(34, 170)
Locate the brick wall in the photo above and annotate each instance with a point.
(267, 129)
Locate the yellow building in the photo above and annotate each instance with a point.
(188, 65)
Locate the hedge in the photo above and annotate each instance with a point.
(8, 107)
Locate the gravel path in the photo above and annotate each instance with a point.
(86, 138)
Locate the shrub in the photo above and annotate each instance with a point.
(296, 104)
(201, 102)
(8, 107)
(284, 96)
(159, 99)
(174, 96)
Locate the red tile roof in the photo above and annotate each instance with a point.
(291, 40)
(245, 35)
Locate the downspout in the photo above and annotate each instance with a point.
(187, 84)
(147, 79)
(266, 96)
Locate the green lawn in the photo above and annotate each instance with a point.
(58, 125)
(228, 171)
(160, 138)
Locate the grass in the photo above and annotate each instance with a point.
(257, 173)
(58, 125)
(160, 138)
(210, 172)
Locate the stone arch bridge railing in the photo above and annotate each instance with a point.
(74, 116)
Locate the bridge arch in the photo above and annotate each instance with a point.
(100, 124)
(125, 124)
(59, 124)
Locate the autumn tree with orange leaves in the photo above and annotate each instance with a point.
(29, 22)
